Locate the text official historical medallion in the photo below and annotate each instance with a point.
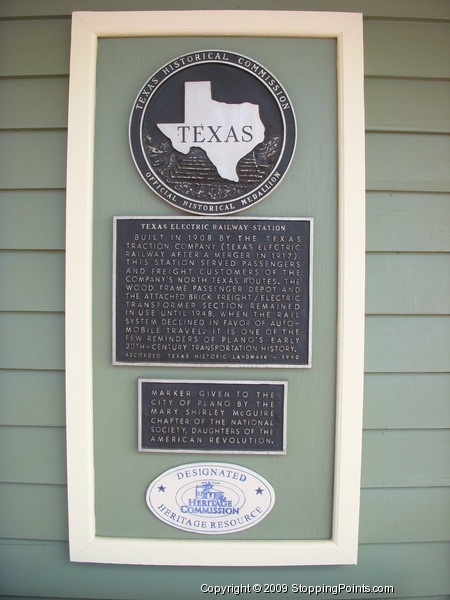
(212, 132)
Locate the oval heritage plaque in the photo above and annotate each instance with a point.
(210, 498)
(212, 132)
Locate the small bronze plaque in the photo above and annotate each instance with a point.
(212, 291)
(204, 416)
(212, 132)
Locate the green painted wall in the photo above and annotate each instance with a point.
(120, 508)
(405, 496)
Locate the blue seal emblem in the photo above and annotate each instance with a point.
(210, 498)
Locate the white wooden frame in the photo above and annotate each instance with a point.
(85, 546)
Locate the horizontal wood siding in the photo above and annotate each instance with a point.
(406, 514)
(38, 103)
(32, 281)
(391, 104)
(407, 344)
(407, 162)
(38, 47)
(33, 159)
(393, 49)
(403, 163)
(404, 9)
(34, 47)
(37, 455)
(391, 400)
(42, 216)
(406, 280)
(406, 401)
(32, 398)
(415, 222)
(35, 340)
(405, 496)
(419, 567)
(407, 105)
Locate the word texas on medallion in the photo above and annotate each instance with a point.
(212, 132)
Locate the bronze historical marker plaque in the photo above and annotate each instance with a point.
(212, 132)
(205, 416)
(212, 291)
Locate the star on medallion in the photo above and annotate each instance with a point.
(259, 491)
(161, 488)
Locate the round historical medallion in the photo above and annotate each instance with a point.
(212, 132)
